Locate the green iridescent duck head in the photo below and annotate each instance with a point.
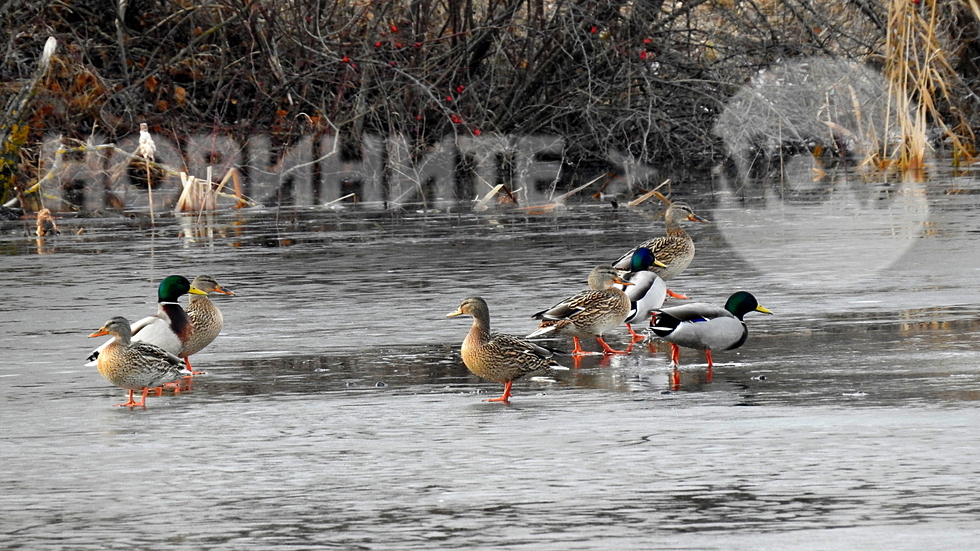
(643, 260)
(173, 287)
(742, 303)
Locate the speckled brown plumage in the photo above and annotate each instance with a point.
(204, 316)
(134, 365)
(589, 313)
(675, 250)
(495, 356)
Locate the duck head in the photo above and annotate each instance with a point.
(742, 303)
(173, 287)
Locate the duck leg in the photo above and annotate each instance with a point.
(130, 403)
(176, 385)
(187, 363)
(142, 402)
(608, 349)
(134, 403)
(636, 336)
(707, 354)
(505, 397)
(677, 295)
(577, 351)
(184, 383)
(675, 355)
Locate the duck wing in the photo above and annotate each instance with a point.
(699, 325)
(527, 356)
(566, 308)
(696, 311)
(155, 353)
(157, 331)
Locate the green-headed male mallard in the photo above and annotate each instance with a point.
(675, 250)
(705, 326)
(647, 292)
(134, 365)
(205, 317)
(589, 313)
(496, 356)
(169, 328)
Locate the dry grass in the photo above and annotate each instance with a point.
(644, 79)
(921, 80)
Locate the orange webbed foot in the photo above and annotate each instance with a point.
(677, 295)
(578, 351)
(187, 364)
(636, 336)
(505, 397)
(608, 349)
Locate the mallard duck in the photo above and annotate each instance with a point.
(205, 317)
(589, 313)
(134, 365)
(705, 326)
(496, 356)
(170, 327)
(647, 292)
(676, 249)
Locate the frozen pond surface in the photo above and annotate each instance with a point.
(336, 412)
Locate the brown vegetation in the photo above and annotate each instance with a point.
(646, 77)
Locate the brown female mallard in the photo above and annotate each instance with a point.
(675, 250)
(134, 365)
(496, 356)
(205, 317)
(589, 313)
